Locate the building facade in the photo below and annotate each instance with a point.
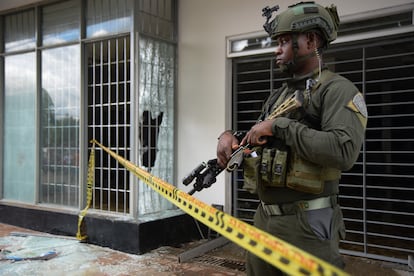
(157, 82)
(75, 71)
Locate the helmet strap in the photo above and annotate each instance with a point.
(295, 47)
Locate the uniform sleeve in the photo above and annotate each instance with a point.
(339, 141)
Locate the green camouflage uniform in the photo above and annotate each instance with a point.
(296, 174)
(328, 132)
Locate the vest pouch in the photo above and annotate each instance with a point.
(279, 169)
(266, 165)
(305, 176)
(251, 166)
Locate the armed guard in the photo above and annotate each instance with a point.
(293, 161)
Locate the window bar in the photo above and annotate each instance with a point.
(93, 104)
(101, 121)
(364, 184)
(60, 186)
(104, 129)
(93, 111)
(124, 103)
(122, 64)
(112, 125)
(149, 121)
(69, 165)
(117, 64)
(55, 162)
(116, 107)
(109, 122)
(64, 149)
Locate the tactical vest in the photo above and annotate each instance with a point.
(276, 165)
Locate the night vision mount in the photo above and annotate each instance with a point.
(267, 12)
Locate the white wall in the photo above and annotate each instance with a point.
(202, 82)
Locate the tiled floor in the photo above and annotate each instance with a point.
(75, 258)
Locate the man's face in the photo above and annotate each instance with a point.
(284, 49)
(285, 53)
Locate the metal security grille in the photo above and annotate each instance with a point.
(377, 194)
(253, 79)
(109, 119)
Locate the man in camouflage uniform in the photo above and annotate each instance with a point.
(295, 158)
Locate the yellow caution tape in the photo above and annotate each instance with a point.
(286, 257)
(81, 234)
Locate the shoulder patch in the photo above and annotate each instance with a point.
(357, 104)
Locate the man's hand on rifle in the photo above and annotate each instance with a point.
(257, 135)
(227, 143)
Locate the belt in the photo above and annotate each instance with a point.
(305, 205)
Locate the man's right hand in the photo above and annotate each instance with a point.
(227, 143)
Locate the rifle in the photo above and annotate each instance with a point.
(205, 173)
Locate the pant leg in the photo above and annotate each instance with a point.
(255, 266)
(297, 229)
(324, 246)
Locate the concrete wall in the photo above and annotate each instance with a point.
(204, 74)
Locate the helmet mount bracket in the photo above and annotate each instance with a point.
(267, 12)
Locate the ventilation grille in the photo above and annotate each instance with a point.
(222, 262)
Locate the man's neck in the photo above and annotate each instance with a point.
(308, 72)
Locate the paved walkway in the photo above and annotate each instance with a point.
(59, 255)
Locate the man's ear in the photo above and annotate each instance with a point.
(313, 40)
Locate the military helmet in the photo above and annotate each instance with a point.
(303, 17)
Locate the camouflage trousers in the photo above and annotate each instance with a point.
(317, 231)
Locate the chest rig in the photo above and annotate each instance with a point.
(277, 166)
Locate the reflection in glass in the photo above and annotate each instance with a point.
(157, 18)
(60, 108)
(106, 17)
(251, 44)
(19, 31)
(19, 128)
(60, 22)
